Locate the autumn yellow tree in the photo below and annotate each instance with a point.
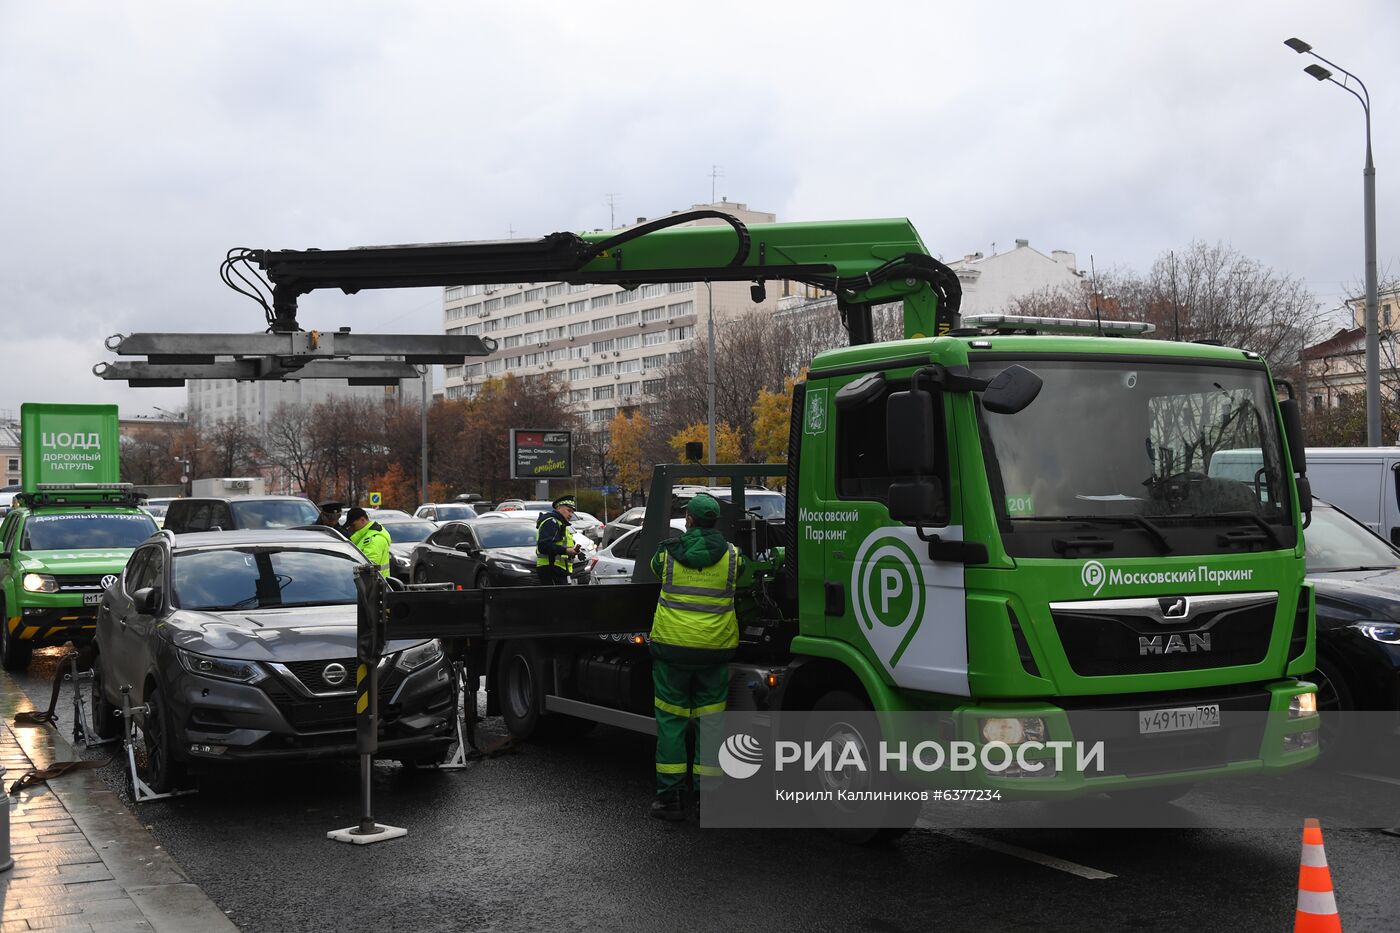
(772, 414)
(728, 443)
(398, 489)
(630, 441)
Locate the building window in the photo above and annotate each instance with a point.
(554, 311)
(534, 337)
(1317, 403)
(455, 293)
(555, 290)
(578, 395)
(535, 315)
(627, 389)
(472, 369)
(580, 288)
(626, 297)
(602, 393)
(14, 464)
(512, 341)
(681, 308)
(554, 333)
(602, 323)
(534, 294)
(681, 333)
(654, 338)
(630, 366)
(473, 330)
(578, 307)
(557, 355)
(450, 372)
(652, 315)
(578, 372)
(631, 317)
(654, 362)
(605, 300)
(578, 352)
(654, 290)
(513, 320)
(652, 386)
(602, 346)
(602, 369)
(681, 287)
(630, 342)
(514, 298)
(490, 304)
(599, 415)
(578, 328)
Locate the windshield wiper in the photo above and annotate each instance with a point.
(1146, 525)
(1264, 526)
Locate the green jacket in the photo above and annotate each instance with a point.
(698, 572)
(373, 542)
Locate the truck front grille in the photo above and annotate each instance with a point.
(1131, 636)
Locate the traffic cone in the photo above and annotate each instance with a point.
(1317, 907)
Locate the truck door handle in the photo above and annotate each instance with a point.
(835, 599)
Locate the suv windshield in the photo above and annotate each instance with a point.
(1134, 445)
(260, 578)
(69, 531)
(406, 532)
(505, 534)
(447, 513)
(1336, 541)
(273, 513)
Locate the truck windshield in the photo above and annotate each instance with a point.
(1157, 455)
(70, 531)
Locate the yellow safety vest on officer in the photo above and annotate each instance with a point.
(693, 636)
(554, 543)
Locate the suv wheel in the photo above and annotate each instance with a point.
(163, 772)
(105, 722)
(14, 654)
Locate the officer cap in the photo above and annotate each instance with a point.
(565, 502)
(332, 506)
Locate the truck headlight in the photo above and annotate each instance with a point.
(1304, 704)
(410, 659)
(1387, 633)
(243, 672)
(1014, 730)
(40, 583)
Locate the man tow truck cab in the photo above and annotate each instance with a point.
(1004, 521)
(60, 548)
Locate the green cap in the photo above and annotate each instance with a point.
(703, 507)
(565, 502)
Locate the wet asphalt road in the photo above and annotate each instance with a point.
(556, 837)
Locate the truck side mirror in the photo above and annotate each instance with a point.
(911, 439)
(1305, 502)
(1011, 390)
(1293, 434)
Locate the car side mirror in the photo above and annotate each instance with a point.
(466, 547)
(147, 600)
(1011, 390)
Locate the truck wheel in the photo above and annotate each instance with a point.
(105, 723)
(520, 683)
(163, 772)
(894, 818)
(14, 654)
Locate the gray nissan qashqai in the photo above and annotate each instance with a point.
(242, 646)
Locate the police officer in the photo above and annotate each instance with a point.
(330, 514)
(693, 636)
(554, 543)
(370, 537)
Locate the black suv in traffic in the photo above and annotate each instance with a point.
(241, 646)
(239, 512)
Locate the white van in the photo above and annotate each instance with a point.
(1363, 481)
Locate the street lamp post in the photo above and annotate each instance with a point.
(1373, 343)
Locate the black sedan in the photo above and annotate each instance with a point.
(241, 647)
(1356, 575)
(404, 535)
(480, 554)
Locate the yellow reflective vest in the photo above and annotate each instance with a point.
(562, 561)
(696, 608)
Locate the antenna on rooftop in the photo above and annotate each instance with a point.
(716, 173)
(611, 198)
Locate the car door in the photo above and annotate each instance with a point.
(434, 557)
(459, 565)
(616, 567)
(141, 628)
(115, 637)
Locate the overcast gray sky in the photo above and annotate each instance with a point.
(140, 141)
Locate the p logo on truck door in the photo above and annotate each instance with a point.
(888, 594)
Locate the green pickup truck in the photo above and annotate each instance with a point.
(60, 548)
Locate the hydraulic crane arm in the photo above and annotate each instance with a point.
(864, 262)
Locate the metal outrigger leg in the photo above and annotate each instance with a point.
(141, 792)
(83, 733)
(466, 719)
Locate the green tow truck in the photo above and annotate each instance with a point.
(69, 533)
(1001, 520)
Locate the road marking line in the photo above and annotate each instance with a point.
(1039, 858)
(1371, 777)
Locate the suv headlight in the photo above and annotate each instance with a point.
(512, 567)
(243, 672)
(1387, 633)
(410, 659)
(40, 583)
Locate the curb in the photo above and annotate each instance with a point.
(159, 887)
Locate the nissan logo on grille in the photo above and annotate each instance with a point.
(334, 674)
(109, 581)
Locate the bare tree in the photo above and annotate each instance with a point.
(289, 445)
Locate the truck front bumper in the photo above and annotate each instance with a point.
(53, 624)
(1100, 747)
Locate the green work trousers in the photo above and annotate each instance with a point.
(691, 686)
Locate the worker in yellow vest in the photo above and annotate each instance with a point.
(693, 636)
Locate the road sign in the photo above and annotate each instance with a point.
(375, 500)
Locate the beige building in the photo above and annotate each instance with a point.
(1335, 368)
(610, 344)
(10, 450)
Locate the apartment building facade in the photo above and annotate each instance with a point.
(611, 345)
